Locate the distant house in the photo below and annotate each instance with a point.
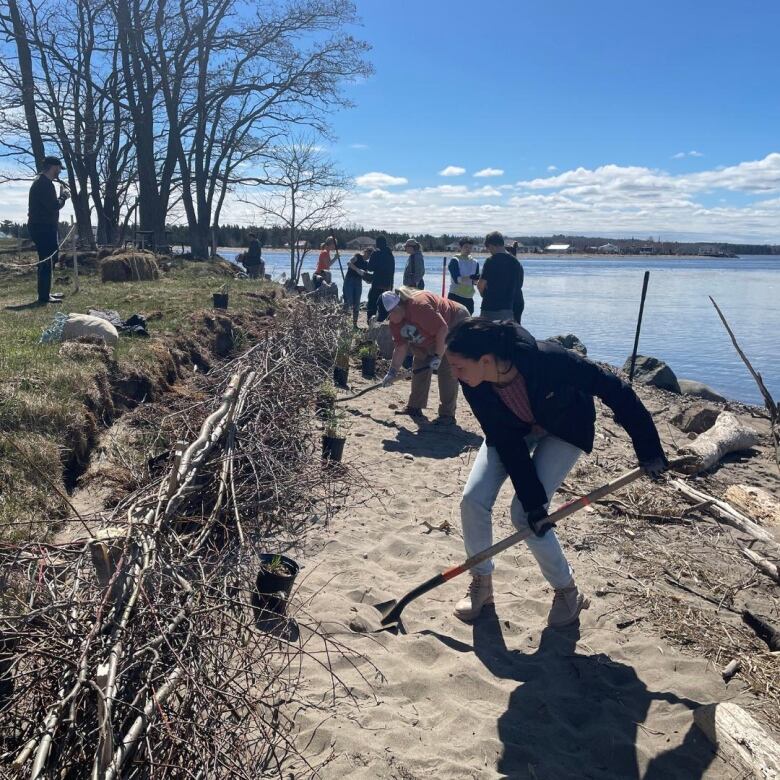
(454, 246)
(560, 248)
(361, 243)
(399, 247)
(648, 250)
(608, 249)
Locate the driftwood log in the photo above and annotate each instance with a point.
(727, 513)
(755, 502)
(739, 740)
(729, 434)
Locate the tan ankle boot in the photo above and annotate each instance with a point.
(567, 604)
(480, 592)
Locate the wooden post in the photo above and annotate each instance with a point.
(443, 274)
(638, 327)
(75, 258)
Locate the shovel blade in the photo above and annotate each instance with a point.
(390, 612)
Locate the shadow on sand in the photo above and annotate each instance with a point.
(577, 715)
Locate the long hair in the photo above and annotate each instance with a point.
(476, 337)
(407, 293)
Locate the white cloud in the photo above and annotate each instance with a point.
(378, 179)
(678, 156)
(452, 170)
(692, 153)
(552, 168)
(485, 172)
(358, 146)
(609, 200)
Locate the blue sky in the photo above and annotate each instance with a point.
(641, 96)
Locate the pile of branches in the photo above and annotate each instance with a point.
(136, 652)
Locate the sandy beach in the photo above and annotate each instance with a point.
(505, 697)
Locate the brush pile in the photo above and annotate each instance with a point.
(135, 652)
(129, 266)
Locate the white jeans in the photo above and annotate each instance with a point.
(553, 458)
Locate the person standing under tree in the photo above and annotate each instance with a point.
(381, 274)
(498, 280)
(464, 272)
(43, 218)
(534, 402)
(253, 260)
(353, 283)
(415, 265)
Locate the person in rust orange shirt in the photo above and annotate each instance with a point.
(324, 262)
(419, 323)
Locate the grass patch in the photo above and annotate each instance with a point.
(55, 398)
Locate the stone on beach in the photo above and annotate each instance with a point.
(697, 418)
(570, 341)
(652, 371)
(700, 390)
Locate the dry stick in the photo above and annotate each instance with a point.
(727, 513)
(769, 402)
(762, 564)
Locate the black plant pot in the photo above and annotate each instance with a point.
(220, 300)
(333, 448)
(273, 589)
(340, 376)
(368, 366)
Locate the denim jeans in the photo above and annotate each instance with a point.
(352, 290)
(553, 459)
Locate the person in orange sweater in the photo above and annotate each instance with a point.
(324, 262)
(419, 322)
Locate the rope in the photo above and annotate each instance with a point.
(45, 259)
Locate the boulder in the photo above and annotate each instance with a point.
(697, 418)
(699, 390)
(379, 332)
(570, 341)
(652, 371)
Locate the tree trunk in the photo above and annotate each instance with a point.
(28, 84)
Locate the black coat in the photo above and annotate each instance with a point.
(381, 269)
(561, 386)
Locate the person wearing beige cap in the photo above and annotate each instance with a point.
(419, 323)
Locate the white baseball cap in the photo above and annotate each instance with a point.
(390, 300)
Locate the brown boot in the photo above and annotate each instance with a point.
(480, 592)
(567, 604)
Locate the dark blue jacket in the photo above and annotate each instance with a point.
(561, 386)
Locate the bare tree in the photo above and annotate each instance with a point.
(300, 190)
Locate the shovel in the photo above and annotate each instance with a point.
(391, 610)
(375, 387)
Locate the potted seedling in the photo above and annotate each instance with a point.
(333, 437)
(367, 354)
(341, 368)
(221, 297)
(325, 400)
(274, 583)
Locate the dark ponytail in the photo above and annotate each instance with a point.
(477, 337)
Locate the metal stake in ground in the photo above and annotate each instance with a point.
(638, 327)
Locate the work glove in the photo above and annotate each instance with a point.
(654, 467)
(389, 378)
(435, 363)
(539, 521)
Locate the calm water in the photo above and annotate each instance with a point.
(598, 300)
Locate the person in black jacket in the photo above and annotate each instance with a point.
(518, 304)
(534, 402)
(43, 217)
(381, 274)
